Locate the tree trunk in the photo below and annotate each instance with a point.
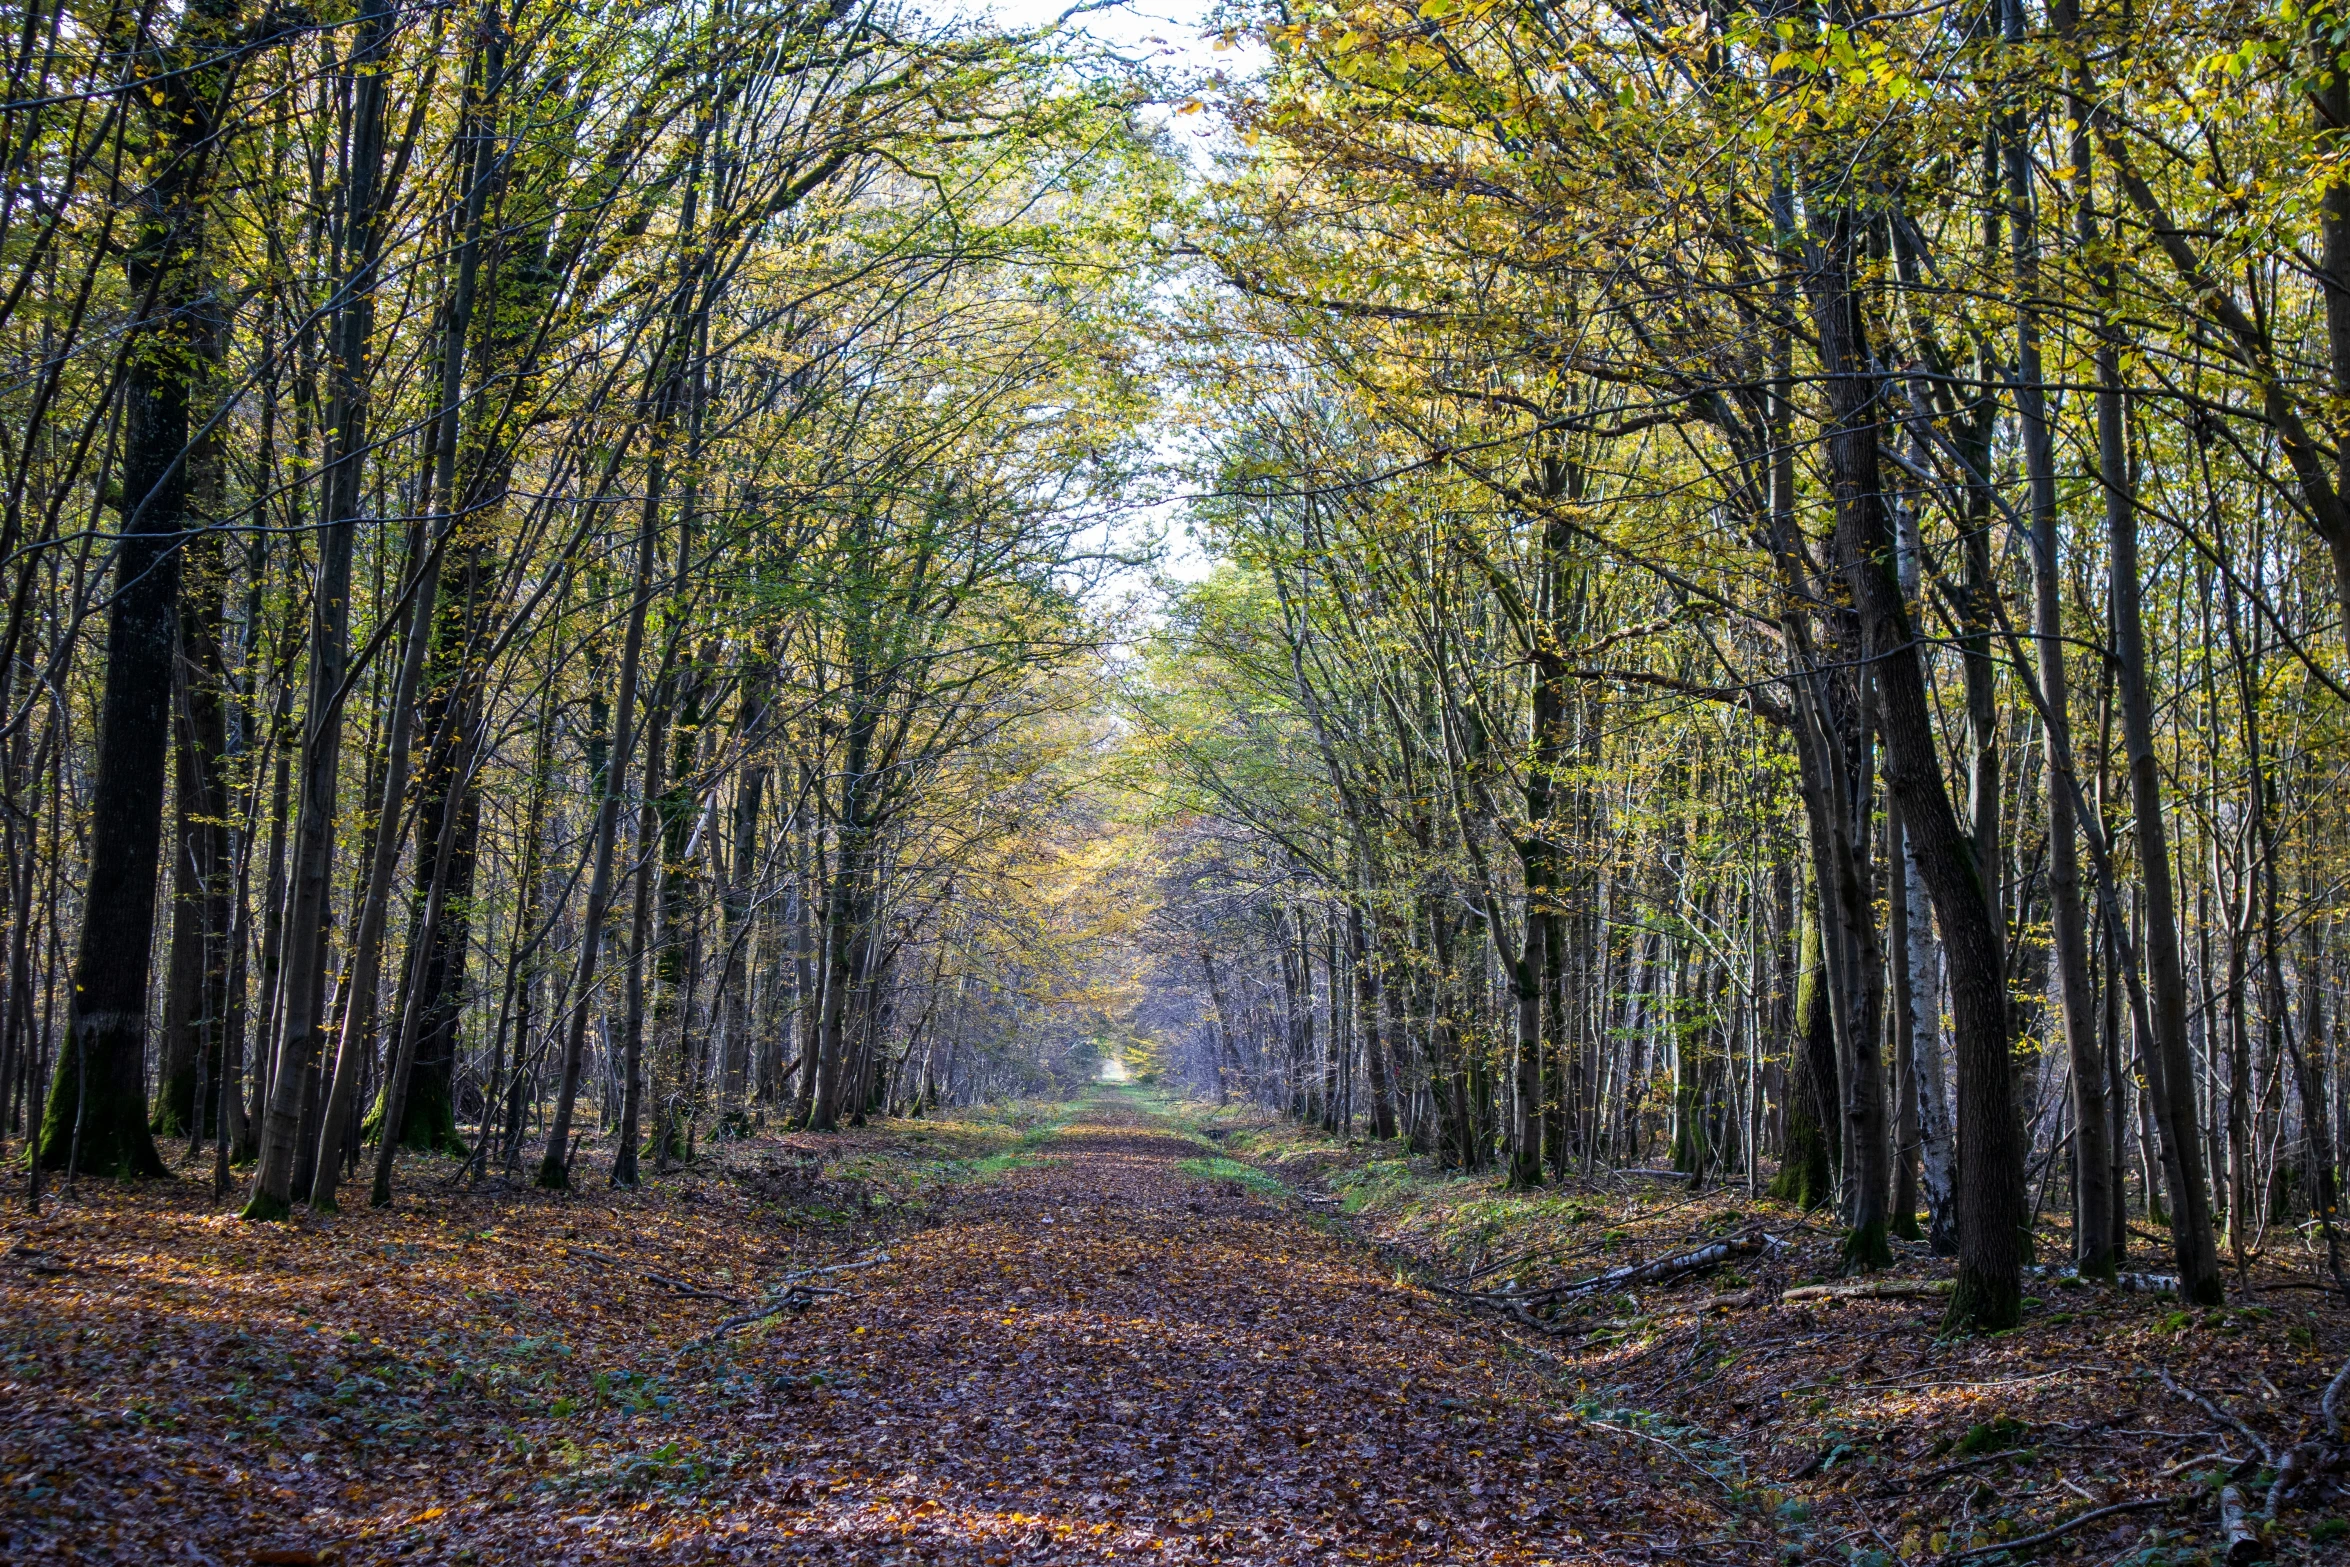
(98, 1084)
(301, 980)
(555, 1164)
(1991, 1175)
(2068, 924)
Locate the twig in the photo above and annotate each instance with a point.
(2065, 1528)
(1609, 1425)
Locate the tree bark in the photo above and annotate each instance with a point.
(301, 979)
(97, 1101)
(1991, 1176)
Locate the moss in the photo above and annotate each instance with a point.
(262, 1208)
(1866, 1249)
(113, 1135)
(1995, 1435)
(1806, 1175)
(1983, 1304)
(1221, 1169)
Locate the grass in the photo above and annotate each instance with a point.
(905, 1164)
(1216, 1167)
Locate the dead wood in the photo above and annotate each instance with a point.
(2064, 1528)
(1518, 1303)
(1872, 1289)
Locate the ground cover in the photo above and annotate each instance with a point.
(1876, 1436)
(1128, 1329)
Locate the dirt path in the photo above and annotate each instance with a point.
(1097, 1355)
(1107, 1358)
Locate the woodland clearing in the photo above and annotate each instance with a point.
(1081, 1333)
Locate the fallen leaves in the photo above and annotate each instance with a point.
(1166, 1369)
(1182, 1367)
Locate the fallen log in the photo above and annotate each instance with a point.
(2235, 1523)
(2147, 1283)
(1873, 1289)
(1518, 1302)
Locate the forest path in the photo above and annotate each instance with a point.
(1106, 1357)
(1110, 1350)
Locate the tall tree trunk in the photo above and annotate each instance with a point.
(749, 791)
(2170, 1068)
(197, 988)
(1991, 1173)
(1367, 1003)
(301, 981)
(555, 1164)
(844, 927)
(2068, 924)
(98, 1084)
(648, 874)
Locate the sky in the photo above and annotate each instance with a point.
(1173, 35)
(1169, 30)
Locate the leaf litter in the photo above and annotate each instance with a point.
(1069, 1338)
(1088, 1353)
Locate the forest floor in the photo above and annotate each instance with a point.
(1874, 1438)
(1075, 1333)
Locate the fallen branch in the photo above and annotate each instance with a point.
(1944, 1471)
(794, 1293)
(798, 1298)
(683, 1288)
(662, 1279)
(2064, 1528)
(1482, 1269)
(1873, 1289)
(874, 1261)
(2268, 1452)
(2299, 1461)
(1516, 1303)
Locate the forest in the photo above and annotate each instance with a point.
(1742, 610)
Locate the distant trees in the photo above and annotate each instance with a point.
(571, 527)
(1833, 515)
